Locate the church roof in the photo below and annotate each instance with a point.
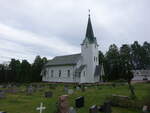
(64, 60)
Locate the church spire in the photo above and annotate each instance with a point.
(89, 30)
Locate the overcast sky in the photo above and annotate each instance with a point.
(57, 27)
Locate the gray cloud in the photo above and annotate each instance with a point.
(50, 28)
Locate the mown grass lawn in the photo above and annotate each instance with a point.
(22, 103)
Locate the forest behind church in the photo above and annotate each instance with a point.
(116, 61)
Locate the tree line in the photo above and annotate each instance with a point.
(118, 63)
(23, 71)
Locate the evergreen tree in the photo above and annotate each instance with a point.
(15, 70)
(37, 68)
(112, 59)
(25, 72)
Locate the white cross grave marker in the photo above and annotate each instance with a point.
(41, 108)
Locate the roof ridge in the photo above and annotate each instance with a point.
(68, 55)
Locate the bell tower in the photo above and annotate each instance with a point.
(89, 52)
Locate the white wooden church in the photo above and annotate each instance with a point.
(76, 68)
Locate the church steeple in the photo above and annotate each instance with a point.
(89, 31)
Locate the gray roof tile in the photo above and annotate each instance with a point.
(64, 60)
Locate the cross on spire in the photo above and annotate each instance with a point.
(89, 12)
(41, 108)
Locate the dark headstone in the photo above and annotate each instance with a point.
(100, 108)
(48, 94)
(93, 109)
(106, 108)
(79, 102)
(3, 112)
(79, 85)
(4, 86)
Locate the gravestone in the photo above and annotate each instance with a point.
(72, 110)
(106, 108)
(93, 109)
(48, 94)
(63, 104)
(2, 94)
(30, 90)
(121, 97)
(41, 108)
(4, 86)
(77, 88)
(14, 89)
(79, 102)
(145, 109)
(18, 84)
(65, 89)
(9, 86)
(70, 91)
(1, 86)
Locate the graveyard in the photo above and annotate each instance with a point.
(25, 98)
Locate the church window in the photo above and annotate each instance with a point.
(95, 46)
(84, 73)
(68, 73)
(94, 58)
(59, 73)
(52, 73)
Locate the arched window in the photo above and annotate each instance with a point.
(59, 73)
(52, 73)
(68, 73)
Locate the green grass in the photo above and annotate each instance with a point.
(22, 103)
